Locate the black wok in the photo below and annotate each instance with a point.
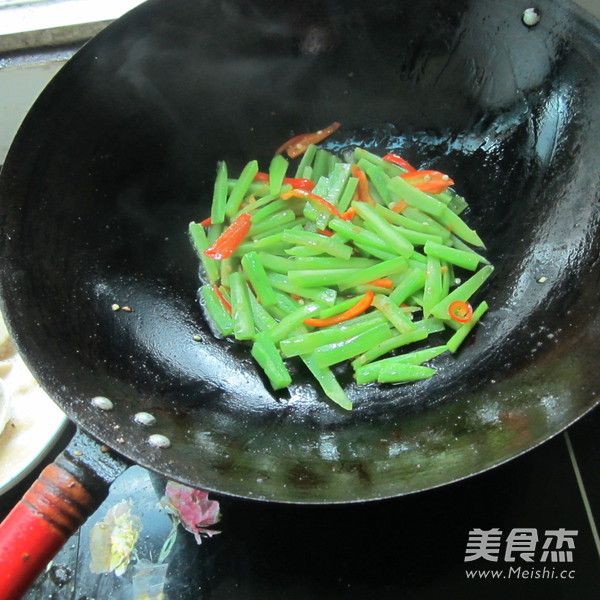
(119, 154)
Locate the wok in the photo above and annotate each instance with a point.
(119, 154)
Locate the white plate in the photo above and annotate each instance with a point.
(34, 421)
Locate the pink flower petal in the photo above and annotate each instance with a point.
(193, 507)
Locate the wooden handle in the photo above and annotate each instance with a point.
(65, 494)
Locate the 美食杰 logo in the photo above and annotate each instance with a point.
(526, 552)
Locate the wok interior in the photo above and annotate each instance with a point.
(119, 154)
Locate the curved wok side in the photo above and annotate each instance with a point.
(118, 155)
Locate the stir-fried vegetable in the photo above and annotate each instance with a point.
(351, 259)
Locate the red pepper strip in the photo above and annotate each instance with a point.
(349, 214)
(363, 185)
(207, 222)
(304, 194)
(434, 187)
(295, 140)
(431, 182)
(422, 175)
(460, 311)
(352, 312)
(222, 298)
(224, 246)
(299, 143)
(383, 282)
(398, 160)
(297, 182)
(326, 232)
(400, 206)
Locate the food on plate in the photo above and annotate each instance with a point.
(6, 350)
(4, 407)
(359, 259)
(30, 422)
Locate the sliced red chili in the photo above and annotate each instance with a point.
(207, 222)
(297, 182)
(422, 175)
(434, 187)
(431, 182)
(362, 188)
(299, 143)
(222, 298)
(400, 206)
(359, 308)
(460, 311)
(300, 183)
(348, 215)
(294, 140)
(398, 160)
(325, 232)
(225, 245)
(383, 282)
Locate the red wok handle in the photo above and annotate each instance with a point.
(57, 504)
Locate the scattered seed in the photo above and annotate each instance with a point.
(197, 338)
(542, 279)
(77, 452)
(116, 427)
(102, 403)
(145, 418)
(104, 448)
(127, 308)
(115, 306)
(159, 441)
(121, 440)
